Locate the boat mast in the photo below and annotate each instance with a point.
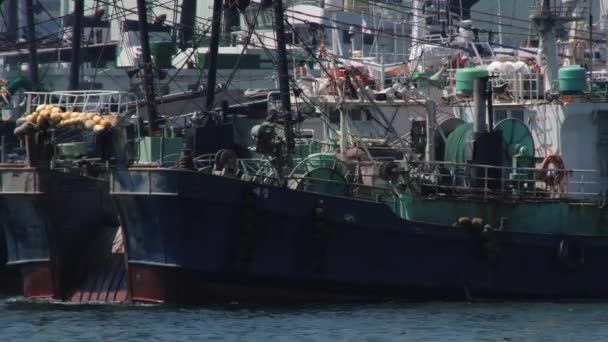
(419, 31)
(76, 40)
(499, 15)
(187, 21)
(213, 47)
(283, 73)
(591, 54)
(576, 8)
(10, 20)
(603, 17)
(343, 117)
(546, 22)
(31, 37)
(148, 79)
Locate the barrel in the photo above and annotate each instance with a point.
(466, 77)
(572, 79)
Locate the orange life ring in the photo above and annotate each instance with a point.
(556, 177)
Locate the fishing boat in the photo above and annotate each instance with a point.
(444, 228)
(482, 219)
(62, 230)
(60, 226)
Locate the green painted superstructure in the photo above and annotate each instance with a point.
(149, 149)
(543, 216)
(163, 53)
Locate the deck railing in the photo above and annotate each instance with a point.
(165, 181)
(114, 102)
(442, 179)
(518, 87)
(487, 182)
(512, 88)
(484, 181)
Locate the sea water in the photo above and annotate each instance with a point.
(22, 320)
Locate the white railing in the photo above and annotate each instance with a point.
(513, 88)
(114, 102)
(600, 76)
(526, 183)
(518, 87)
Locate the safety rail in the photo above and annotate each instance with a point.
(204, 161)
(101, 101)
(518, 87)
(436, 178)
(357, 191)
(513, 88)
(262, 172)
(257, 167)
(155, 181)
(487, 181)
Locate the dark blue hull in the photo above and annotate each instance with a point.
(194, 237)
(10, 281)
(52, 220)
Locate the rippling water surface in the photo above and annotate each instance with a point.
(26, 321)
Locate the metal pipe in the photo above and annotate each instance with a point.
(340, 107)
(212, 56)
(31, 33)
(30, 155)
(545, 22)
(161, 159)
(489, 95)
(591, 47)
(283, 71)
(382, 74)
(395, 35)
(431, 111)
(76, 40)
(479, 100)
(148, 81)
(343, 129)
(293, 55)
(3, 149)
(499, 17)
